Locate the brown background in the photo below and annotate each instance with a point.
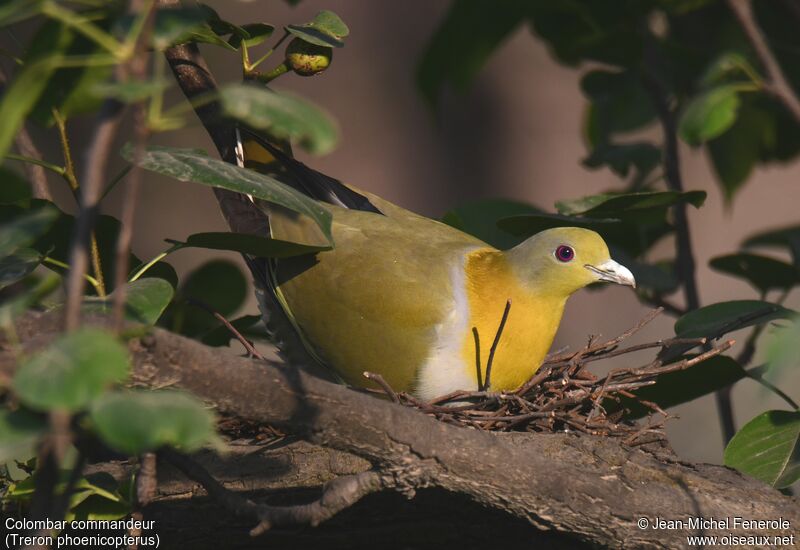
(516, 133)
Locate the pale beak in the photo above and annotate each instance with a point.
(612, 272)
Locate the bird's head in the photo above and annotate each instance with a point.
(566, 259)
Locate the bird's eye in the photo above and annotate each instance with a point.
(565, 253)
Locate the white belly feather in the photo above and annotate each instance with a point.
(445, 371)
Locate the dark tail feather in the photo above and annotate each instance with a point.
(307, 180)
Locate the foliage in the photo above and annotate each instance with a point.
(68, 69)
(690, 67)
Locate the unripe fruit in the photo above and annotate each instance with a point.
(307, 59)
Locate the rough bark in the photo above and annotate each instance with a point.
(589, 488)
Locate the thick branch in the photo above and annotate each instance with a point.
(776, 84)
(588, 487)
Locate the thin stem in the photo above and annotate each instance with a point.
(479, 374)
(69, 166)
(685, 262)
(56, 169)
(89, 279)
(97, 155)
(141, 133)
(754, 374)
(157, 101)
(142, 270)
(115, 180)
(248, 67)
(97, 264)
(143, 11)
(267, 77)
(72, 181)
(12, 56)
(487, 382)
(776, 83)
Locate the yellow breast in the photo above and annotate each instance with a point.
(531, 325)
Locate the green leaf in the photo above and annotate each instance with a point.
(283, 116)
(462, 44)
(600, 30)
(762, 272)
(12, 308)
(22, 230)
(55, 242)
(205, 35)
(736, 152)
(217, 283)
(724, 67)
(176, 25)
(137, 421)
(260, 247)
(101, 484)
(17, 266)
(788, 237)
(218, 25)
(96, 508)
(252, 35)
(678, 387)
(619, 103)
(72, 371)
(13, 187)
(21, 94)
(709, 114)
(326, 29)
(717, 319)
(189, 165)
(69, 89)
(783, 350)
(609, 205)
(622, 158)
(768, 448)
(19, 433)
(146, 300)
(131, 91)
(479, 219)
(18, 10)
(526, 225)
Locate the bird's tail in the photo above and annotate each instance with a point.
(255, 152)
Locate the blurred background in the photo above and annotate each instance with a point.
(517, 133)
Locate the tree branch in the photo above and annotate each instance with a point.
(97, 155)
(587, 487)
(775, 84)
(337, 494)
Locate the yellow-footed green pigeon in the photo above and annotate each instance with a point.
(403, 295)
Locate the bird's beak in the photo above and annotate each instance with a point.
(612, 272)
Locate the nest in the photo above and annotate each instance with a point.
(564, 395)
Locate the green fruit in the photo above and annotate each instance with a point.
(307, 59)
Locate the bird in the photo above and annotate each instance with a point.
(410, 298)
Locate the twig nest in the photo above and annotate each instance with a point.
(307, 59)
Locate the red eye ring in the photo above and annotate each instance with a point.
(564, 253)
